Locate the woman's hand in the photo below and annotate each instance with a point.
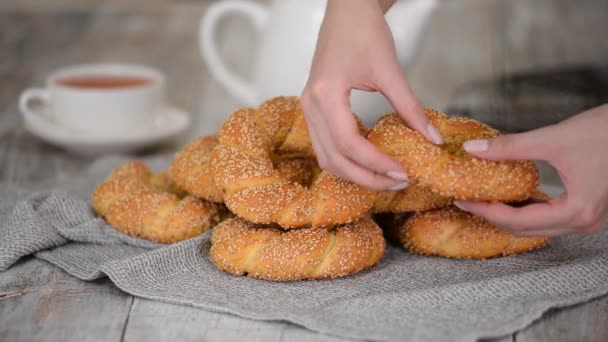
(355, 50)
(578, 149)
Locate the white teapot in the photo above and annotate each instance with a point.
(288, 32)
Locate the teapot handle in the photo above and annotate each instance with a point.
(257, 15)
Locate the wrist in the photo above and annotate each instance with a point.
(384, 5)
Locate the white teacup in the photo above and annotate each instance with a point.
(98, 99)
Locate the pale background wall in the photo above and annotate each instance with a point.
(467, 41)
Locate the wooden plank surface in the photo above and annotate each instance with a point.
(154, 321)
(41, 302)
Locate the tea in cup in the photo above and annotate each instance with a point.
(98, 99)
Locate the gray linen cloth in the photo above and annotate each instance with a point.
(405, 297)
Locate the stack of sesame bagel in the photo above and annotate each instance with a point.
(277, 216)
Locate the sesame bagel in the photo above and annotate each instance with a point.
(190, 169)
(242, 248)
(254, 189)
(140, 203)
(413, 198)
(447, 169)
(453, 233)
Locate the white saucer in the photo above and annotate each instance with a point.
(166, 125)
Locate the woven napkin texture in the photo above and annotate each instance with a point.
(405, 297)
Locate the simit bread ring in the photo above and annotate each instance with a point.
(413, 198)
(139, 203)
(190, 169)
(253, 188)
(243, 248)
(448, 169)
(453, 233)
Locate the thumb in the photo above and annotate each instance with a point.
(530, 145)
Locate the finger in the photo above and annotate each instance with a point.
(565, 229)
(344, 132)
(347, 169)
(397, 90)
(317, 144)
(595, 228)
(536, 216)
(365, 154)
(533, 145)
(569, 229)
(351, 145)
(551, 232)
(332, 161)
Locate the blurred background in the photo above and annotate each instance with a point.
(516, 64)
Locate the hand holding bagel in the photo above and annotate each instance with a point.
(575, 147)
(355, 50)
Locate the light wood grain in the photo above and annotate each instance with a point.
(153, 321)
(39, 302)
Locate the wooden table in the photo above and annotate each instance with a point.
(41, 302)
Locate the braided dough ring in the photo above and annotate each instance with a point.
(453, 233)
(413, 198)
(242, 248)
(190, 169)
(139, 203)
(448, 169)
(253, 188)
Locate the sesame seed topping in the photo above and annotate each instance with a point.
(240, 247)
(140, 203)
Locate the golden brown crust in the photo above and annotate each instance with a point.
(190, 169)
(413, 198)
(256, 191)
(140, 203)
(296, 170)
(452, 233)
(447, 169)
(243, 248)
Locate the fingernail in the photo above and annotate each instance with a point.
(398, 175)
(475, 145)
(459, 205)
(434, 134)
(399, 186)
